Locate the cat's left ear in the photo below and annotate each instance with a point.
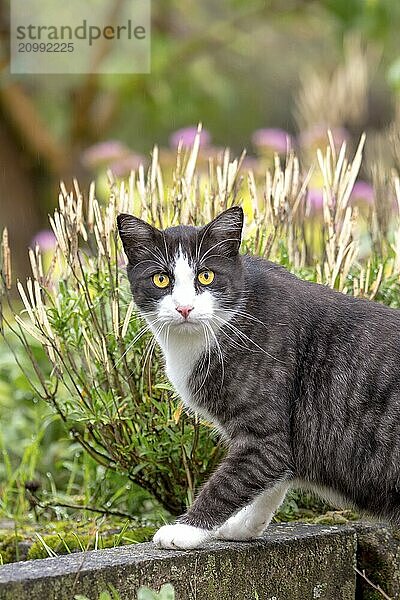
(225, 231)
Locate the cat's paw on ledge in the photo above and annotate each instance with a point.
(181, 536)
(238, 530)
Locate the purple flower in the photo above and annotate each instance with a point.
(362, 192)
(187, 136)
(104, 152)
(317, 136)
(45, 239)
(251, 163)
(314, 201)
(126, 164)
(277, 140)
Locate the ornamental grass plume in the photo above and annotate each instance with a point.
(340, 96)
(105, 380)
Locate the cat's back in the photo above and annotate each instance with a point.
(309, 302)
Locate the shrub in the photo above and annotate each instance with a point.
(106, 380)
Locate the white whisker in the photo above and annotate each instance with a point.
(208, 350)
(217, 244)
(242, 334)
(217, 344)
(137, 337)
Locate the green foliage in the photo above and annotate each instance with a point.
(110, 594)
(166, 593)
(9, 547)
(32, 438)
(374, 18)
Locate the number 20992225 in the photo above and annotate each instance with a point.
(45, 47)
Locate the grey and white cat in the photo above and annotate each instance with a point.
(301, 381)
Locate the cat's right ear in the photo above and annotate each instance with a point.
(136, 235)
(225, 231)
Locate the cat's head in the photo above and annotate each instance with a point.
(185, 276)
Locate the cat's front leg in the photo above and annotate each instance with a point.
(248, 470)
(251, 521)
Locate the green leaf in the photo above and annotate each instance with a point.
(166, 593)
(146, 594)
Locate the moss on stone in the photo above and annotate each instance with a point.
(378, 555)
(64, 537)
(9, 547)
(61, 543)
(335, 517)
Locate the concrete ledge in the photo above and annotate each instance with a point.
(291, 562)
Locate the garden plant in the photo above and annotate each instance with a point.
(102, 374)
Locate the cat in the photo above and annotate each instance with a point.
(303, 382)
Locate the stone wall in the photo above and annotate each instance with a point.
(290, 562)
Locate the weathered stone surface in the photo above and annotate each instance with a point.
(378, 553)
(291, 562)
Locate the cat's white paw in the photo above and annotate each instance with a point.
(240, 527)
(181, 536)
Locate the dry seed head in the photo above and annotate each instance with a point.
(99, 242)
(63, 189)
(340, 96)
(131, 193)
(105, 355)
(90, 345)
(191, 164)
(34, 266)
(29, 287)
(153, 170)
(115, 318)
(31, 329)
(6, 259)
(90, 215)
(141, 182)
(25, 301)
(97, 216)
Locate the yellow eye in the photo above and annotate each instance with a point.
(205, 277)
(161, 280)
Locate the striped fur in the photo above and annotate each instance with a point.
(304, 382)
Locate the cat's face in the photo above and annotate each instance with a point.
(185, 277)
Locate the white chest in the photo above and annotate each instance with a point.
(181, 355)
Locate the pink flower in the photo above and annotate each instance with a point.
(45, 239)
(251, 163)
(104, 152)
(317, 136)
(314, 201)
(362, 192)
(126, 164)
(187, 136)
(277, 140)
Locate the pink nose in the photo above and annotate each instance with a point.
(184, 310)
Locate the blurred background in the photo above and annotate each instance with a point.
(238, 66)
